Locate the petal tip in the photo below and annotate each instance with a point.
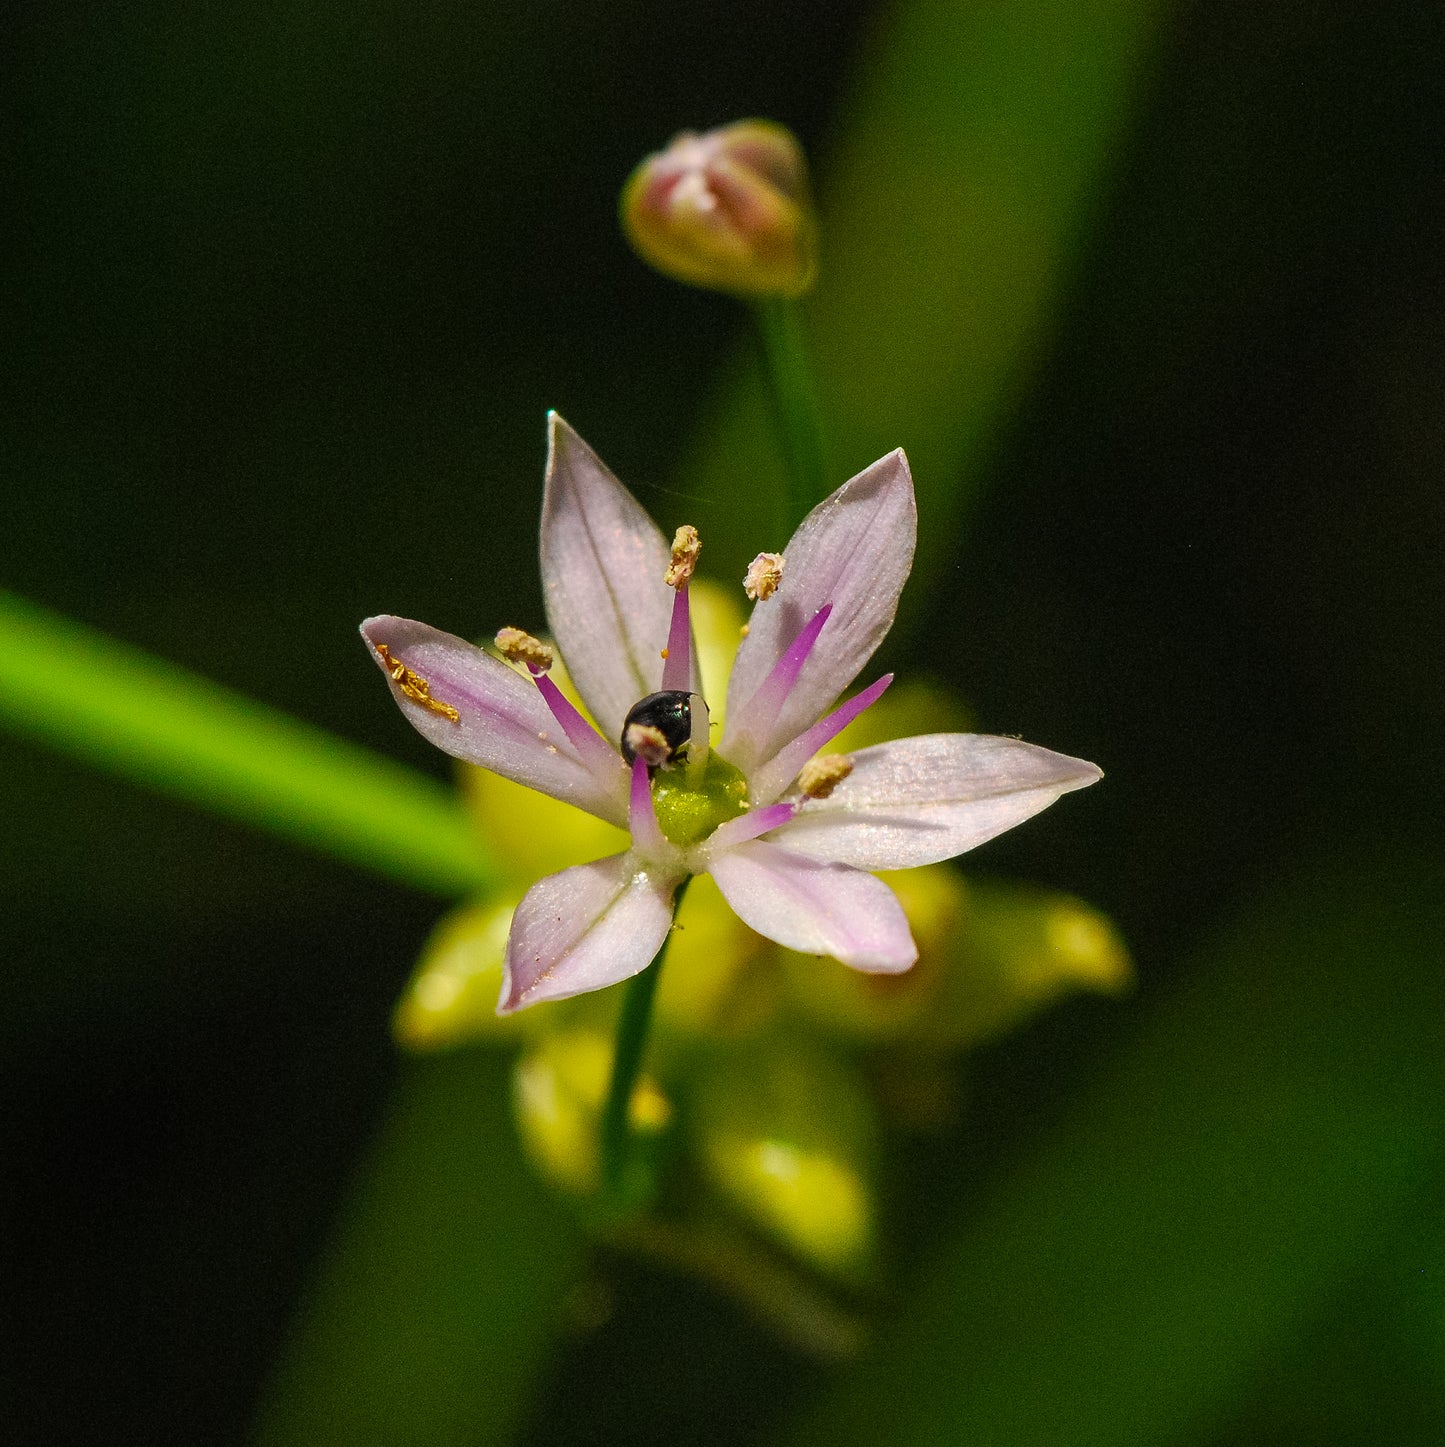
(378, 629)
(509, 1001)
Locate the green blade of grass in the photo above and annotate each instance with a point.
(89, 695)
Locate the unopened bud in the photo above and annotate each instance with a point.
(1017, 950)
(728, 210)
(558, 1088)
(764, 576)
(452, 997)
(786, 1132)
(686, 549)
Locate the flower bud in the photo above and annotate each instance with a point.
(453, 992)
(728, 210)
(558, 1088)
(788, 1135)
(1018, 950)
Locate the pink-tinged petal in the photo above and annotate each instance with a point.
(603, 562)
(502, 722)
(854, 551)
(780, 771)
(921, 800)
(585, 928)
(815, 907)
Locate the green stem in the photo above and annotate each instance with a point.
(632, 1028)
(92, 696)
(795, 403)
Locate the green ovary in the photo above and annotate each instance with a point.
(689, 809)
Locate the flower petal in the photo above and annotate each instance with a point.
(854, 551)
(503, 722)
(921, 800)
(603, 561)
(817, 908)
(585, 928)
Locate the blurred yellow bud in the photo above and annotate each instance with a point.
(1018, 950)
(453, 992)
(558, 1087)
(786, 1134)
(729, 210)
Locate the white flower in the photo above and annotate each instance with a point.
(793, 866)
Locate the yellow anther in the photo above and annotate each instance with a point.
(414, 686)
(820, 776)
(686, 548)
(648, 744)
(764, 575)
(519, 647)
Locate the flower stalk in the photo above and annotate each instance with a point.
(789, 379)
(633, 1026)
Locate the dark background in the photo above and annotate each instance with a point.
(288, 293)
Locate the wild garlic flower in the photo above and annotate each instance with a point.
(789, 839)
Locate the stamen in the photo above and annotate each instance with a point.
(763, 708)
(677, 656)
(686, 549)
(641, 816)
(781, 770)
(819, 777)
(764, 575)
(594, 751)
(518, 647)
(414, 686)
(648, 744)
(749, 826)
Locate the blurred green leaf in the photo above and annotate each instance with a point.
(112, 705)
(972, 158)
(1270, 1129)
(445, 1283)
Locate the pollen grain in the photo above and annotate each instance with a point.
(414, 686)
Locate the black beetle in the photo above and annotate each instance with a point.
(670, 713)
